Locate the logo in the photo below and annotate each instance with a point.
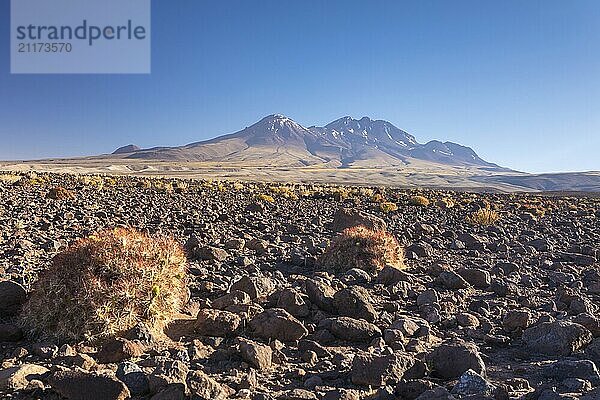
(80, 36)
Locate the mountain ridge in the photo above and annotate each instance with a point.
(279, 140)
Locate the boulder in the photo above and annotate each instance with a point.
(276, 323)
(452, 358)
(18, 378)
(560, 338)
(353, 330)
(516, 320)
(201, 386)
(256, 354)
(211, 322)
(471, 383)
(77, 385)
(355, 302)
(119, 349)
(373, 370)
(255, 286)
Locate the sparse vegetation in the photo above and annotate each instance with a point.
(377, 198)
(105, 284)
(387, 207)
(95, 182)
(419, 201)
(483, 216)
(362, 248)
(265, 198)
(60, 193)
(238, 186)
(9, 178)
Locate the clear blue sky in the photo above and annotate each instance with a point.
(519, 81)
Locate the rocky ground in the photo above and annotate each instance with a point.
(508, 310)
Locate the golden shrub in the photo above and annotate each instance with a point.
(388, 207)
(265, 198)
(419, 201)
(483, 216)
(362, 248)
(103, 285)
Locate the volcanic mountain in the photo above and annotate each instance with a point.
(277, 140)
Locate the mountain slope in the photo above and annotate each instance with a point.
(277, 140)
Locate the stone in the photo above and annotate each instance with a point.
(18, 378)
(276, 323)
(44, 350)
(256, 354)
(355, 302)
(452, 358)
(320, 294)
(293, 302)
(211, 322)
(347, 218)
(557, 338)
(119, 349)
(167, 372)
(590, 322)
(12, 297)
(353, 330)
(259, 246)
(372, 370)
(134, 378)
(467, 320)
(516, 320)
(210, 253)
(254, 286)
(76, 385)
(479, 278)
(173, 391)
(471, 383)
(582, 369)
(234, 297)
(451, 280)
(201, 387)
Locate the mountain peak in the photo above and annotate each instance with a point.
(130, 148)
(277, 138)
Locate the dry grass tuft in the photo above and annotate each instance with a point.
(377, 198)
(483, 216)
(419, 201)
(388, 207)
(266, 198)
(93, 181)
(9, 178)
(105, 284)
(359, 247)
(60, 193)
